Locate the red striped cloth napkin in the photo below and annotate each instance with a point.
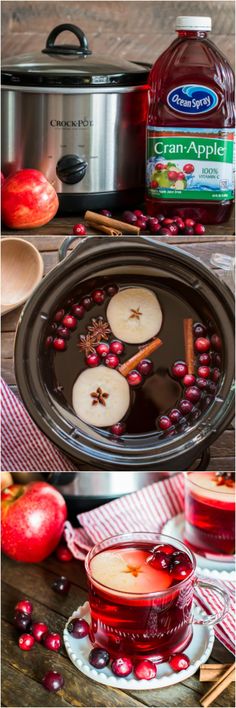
(24, 447)
(147, 510)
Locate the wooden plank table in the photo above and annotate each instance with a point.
(222, 451)
(22, 672)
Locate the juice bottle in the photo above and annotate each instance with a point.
(190, 129)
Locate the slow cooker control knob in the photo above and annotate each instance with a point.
(71, 169)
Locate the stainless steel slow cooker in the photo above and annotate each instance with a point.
(80, 119)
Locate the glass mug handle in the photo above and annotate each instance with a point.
(213, 617)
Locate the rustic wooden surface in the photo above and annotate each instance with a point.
(22, 672)
(222, 451)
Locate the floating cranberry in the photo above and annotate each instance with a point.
(122, 666)
(59, 315)
(203, 372)
(216, 342)
(138, 213)
(175, 415)
(61, 585)
(26, 642)
(199, 329)
(141, 223)
(78, 311)
(204, 359)
(174, 230)
(98, 296)
(154, 226)
(53, 681)
(189, 222)
(22, 621)
(134, 378)
(179, 369)
(195, 414)
(59, 344)
(215, 375)
(106, 212)
(52, 641)
(188, 168)
(201, 383)
(217, 360)
(202, 344)
(111, 361)
(103, 349)
(79, 230)
(159, 560)
(24, 606)
(87, 302)
(185, 407)
(93, 360)
(99, 658)
(165, 548)
(199, 229)
(188, 230)
(206, 401)
(179, 662)
(193, 394)
(211, 387)
(48, 342)
(63, 332)
(129, 217)
(164, 422)
(117, 347)
(69, 321)
(189, 380)
(165, 232)
(112, 290)
(145, 367)
(39, 629)
(78, 628)
(145, 669)
(63, 553)
(118, 429)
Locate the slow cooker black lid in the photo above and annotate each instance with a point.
(71, 65)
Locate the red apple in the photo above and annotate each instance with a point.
(33, 517)
(28, 200)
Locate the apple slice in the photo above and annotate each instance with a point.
(134, 315)
(126, 570)
(101, 396)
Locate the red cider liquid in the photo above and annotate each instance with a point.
(191, 123)
(209, 514)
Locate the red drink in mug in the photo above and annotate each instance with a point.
(210, 512)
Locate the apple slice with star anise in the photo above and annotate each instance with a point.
(134, 315)
(101, 396)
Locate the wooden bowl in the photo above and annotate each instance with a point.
(22, 270)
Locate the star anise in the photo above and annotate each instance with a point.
(99, 329)
(87, 344)
(133, 570)
(227, 478)
(99, 396)
(136, 314)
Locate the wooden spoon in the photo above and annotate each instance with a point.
(22, 270)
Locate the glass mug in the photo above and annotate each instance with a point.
(152, 624)
(209, 515)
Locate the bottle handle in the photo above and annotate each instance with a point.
(214, 617)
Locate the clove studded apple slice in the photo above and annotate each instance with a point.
(134, 315)
(101, 396)
(127, 570)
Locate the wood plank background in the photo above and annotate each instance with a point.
(137, 30)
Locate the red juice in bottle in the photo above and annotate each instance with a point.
(190, 129)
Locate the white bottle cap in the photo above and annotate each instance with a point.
(185, 22)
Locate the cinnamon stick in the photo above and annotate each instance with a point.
(134, 360)
(189, 344)
(97, 219)
(211, 672)
(105, 229)
(218, 687)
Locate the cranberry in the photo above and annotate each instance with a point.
(99, 658)
(78, 311)
(129, 217)
(52, 641)
(116, 347)
(167, 221)
(59, 315)
(201, 383)
(179, 662)
(202, 344)
(180, 222)
(103, 349)
(24, 606)
(22, 621)
(217, 360)
(215, 375)
(189, 222)
(63, 553)
(154, 226)
(98, 296)
(134, 378)
(193, 394)
(160, 217)
(211, 387)
(164, 422)
(87, 302)
(106, 212)
(53, 681)
(203, 372)
(154, 184)
(78, 628)
(48, 342)
(188, 230)
(179, 369)
(69, 321)
(112, 290)
(199, 229)
(145, 367)
(79, 230)
(181, 175)
(204, 359)
(175, 415)
(165, 232)
(138, 213)
(172, 175)
(188, 168)
(159, 560)
(111, 361)
(199, 329)
(26, 642)
(59, 344)
(118, 429)
(206, 402)
(195, 414)
(216, 342)
(93, 360)
(39, 629)
(145, 669)
(61, 585)
(159, 166)
(122, 666)
(141, 223)
(185, 407)
(63, 332)
(189, 380)
(165, 548)
(174, 230)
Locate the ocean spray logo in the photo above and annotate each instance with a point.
(192, 99)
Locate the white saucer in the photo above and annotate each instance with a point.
(206, 567)
(198, 652)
